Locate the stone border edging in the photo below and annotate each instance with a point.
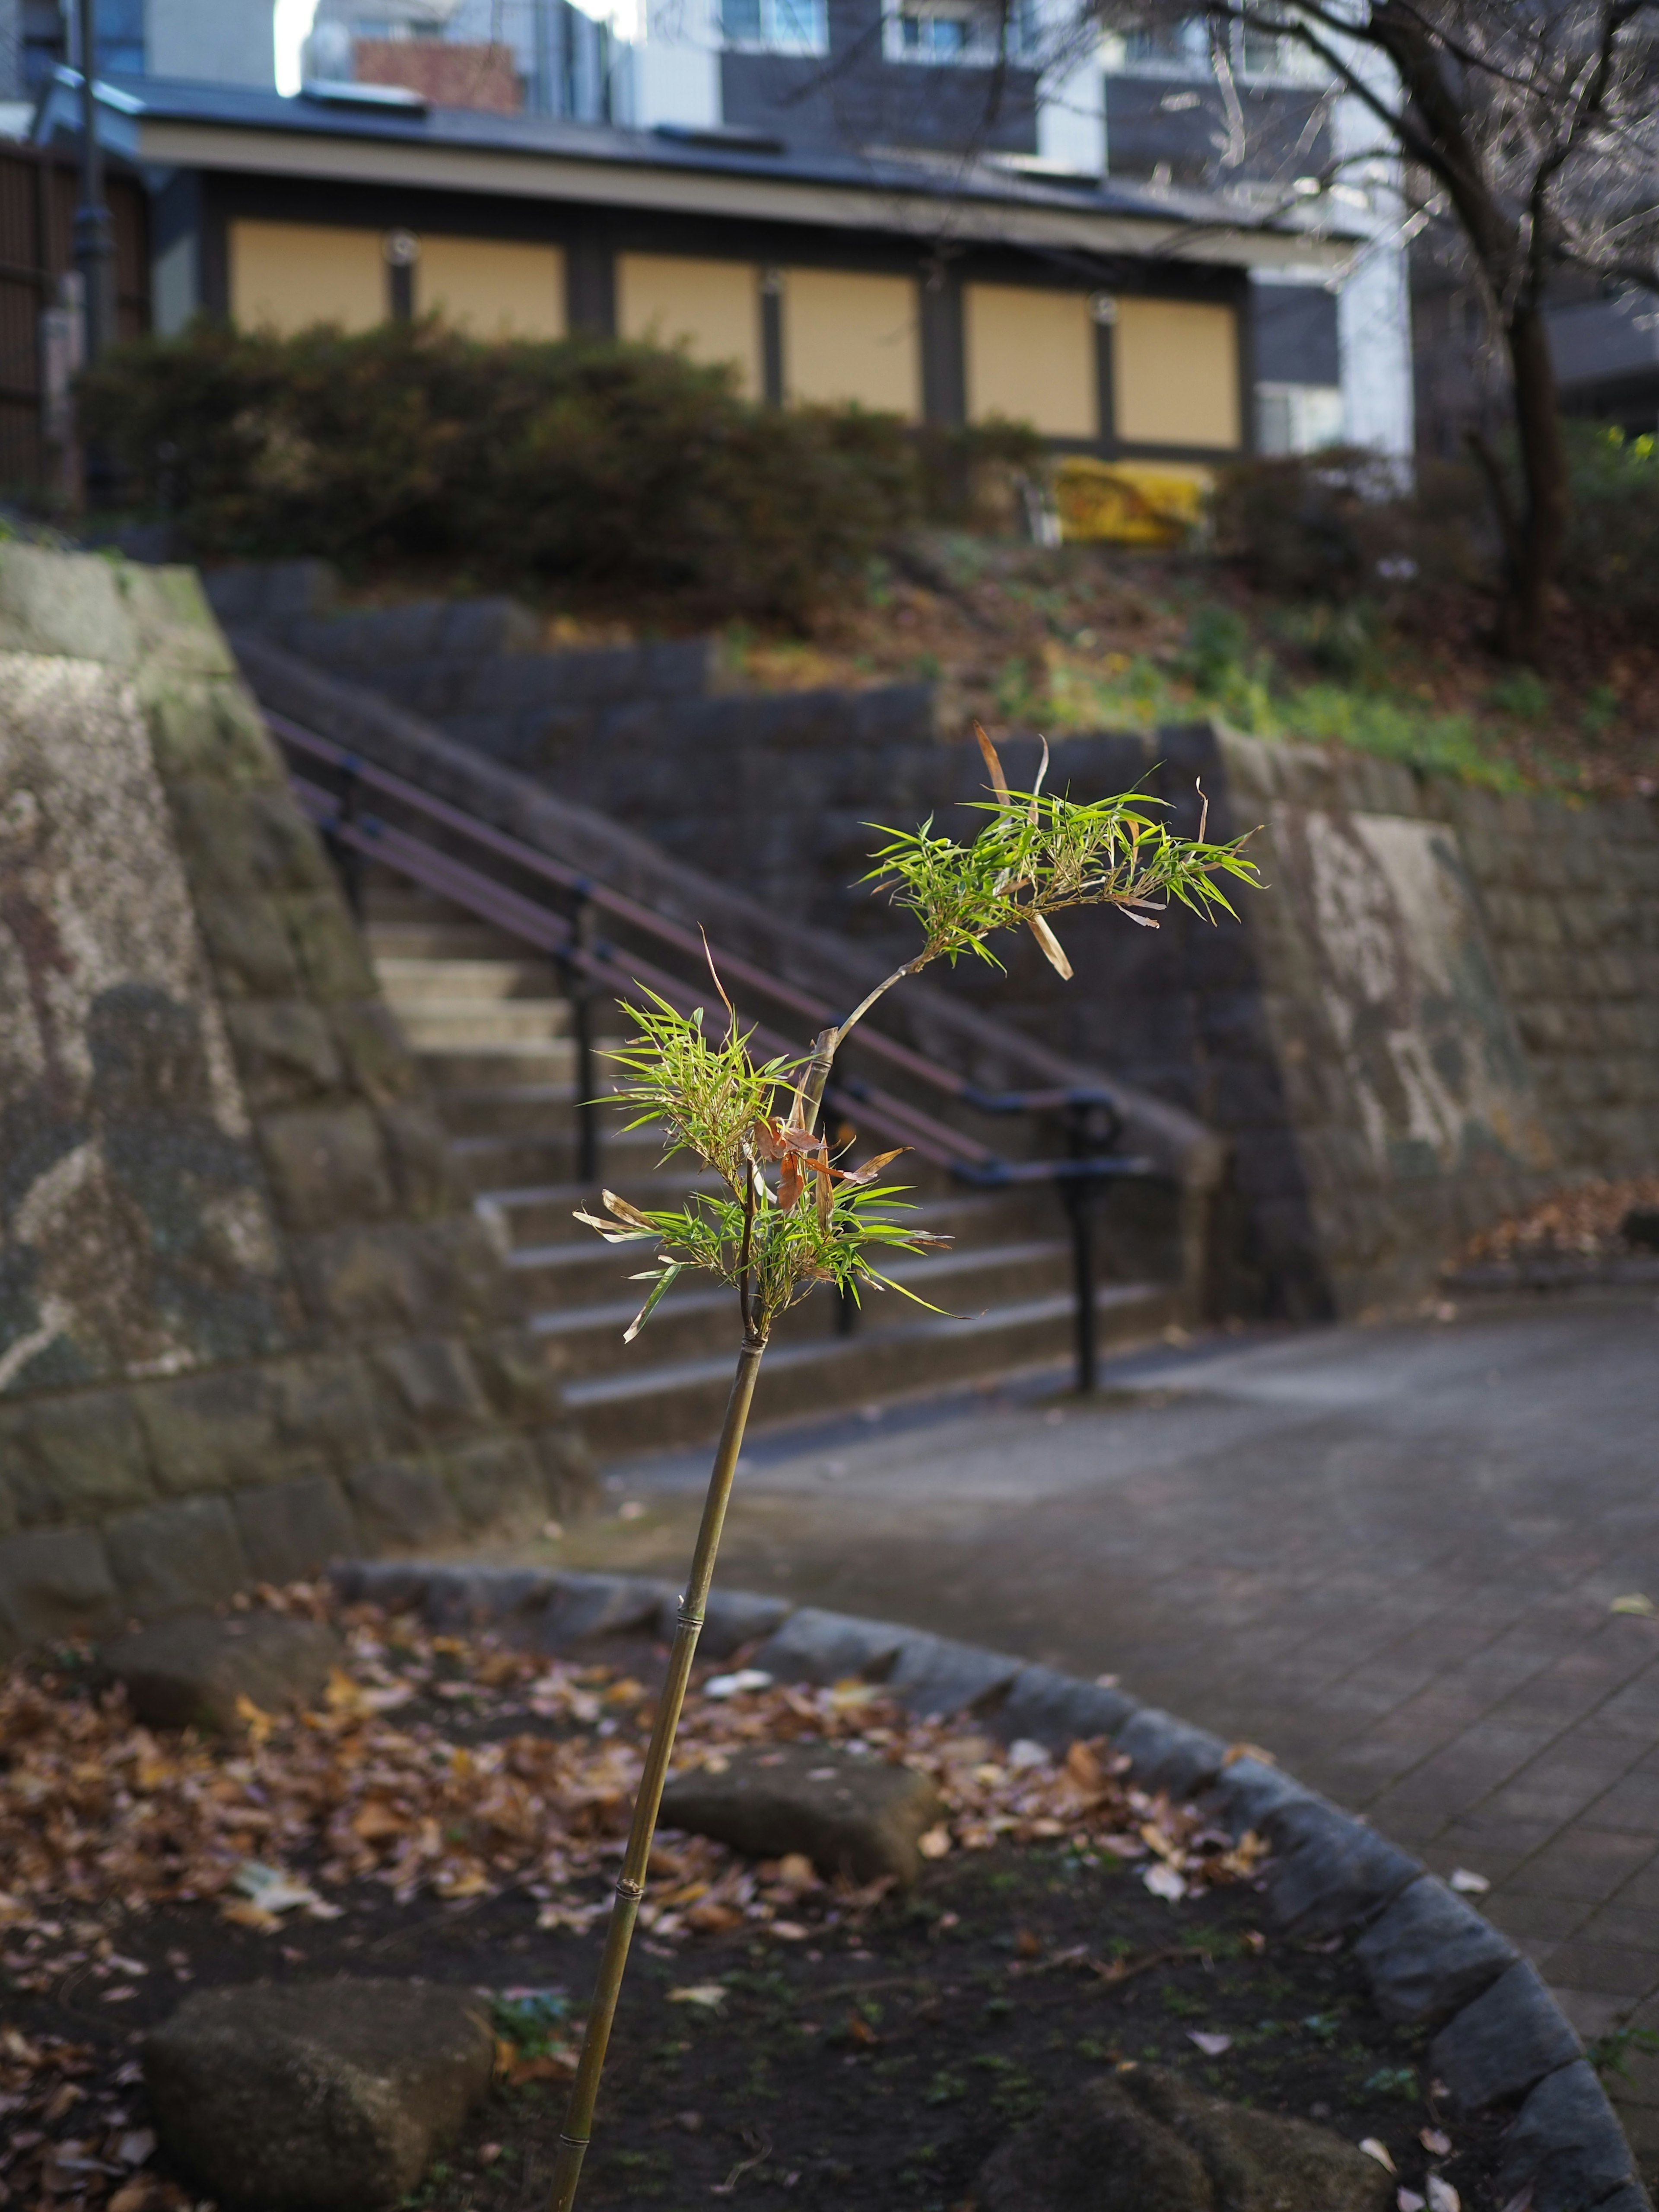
(1432, 1961)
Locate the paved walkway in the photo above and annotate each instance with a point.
(1388, 1555)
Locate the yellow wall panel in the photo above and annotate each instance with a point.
(284, 276)
(1175, 372)
(492, 288)
(850, 338)
(711, 307)
(1031, 358)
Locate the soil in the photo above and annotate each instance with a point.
(874, 2058)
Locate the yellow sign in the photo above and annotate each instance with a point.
(1129, 502)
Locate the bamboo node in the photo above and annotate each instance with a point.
(626, 1887)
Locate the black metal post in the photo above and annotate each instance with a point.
(94, 237)
(1078, 1193)
(580, 994)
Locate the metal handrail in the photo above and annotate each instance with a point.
(351, 835)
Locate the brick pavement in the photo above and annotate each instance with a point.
(1387, 1554)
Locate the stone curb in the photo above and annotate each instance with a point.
(1432, 1961)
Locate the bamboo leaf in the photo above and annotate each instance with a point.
(664, 1282)
(1052, 951)
(998, 781)
(630, 1214)
(872, 1169)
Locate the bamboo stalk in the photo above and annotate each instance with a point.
(574, 2136)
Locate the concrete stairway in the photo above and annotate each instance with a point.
(492, 1033)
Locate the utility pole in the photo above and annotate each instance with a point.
(94, 238)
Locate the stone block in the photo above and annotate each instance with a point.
(325, 1405)
(731, 1619)
(55, 1582)
(73, 1457)
(207, 730)
(248, 945)
(327, 945)
(1329, 1871)
(484, 1597)
(71, 605)
(395, 1585)
(1144, 2139)
(497, 1484)
(418, 1149)
(521, 1378)
(377, 1060)
(1568, 2143)
(569, 1479)
(177, 1558)
(291, 1530)
(175, 625)
(1509, 2038)
(210, 1432)
(855, 1817)
(284, 1054)
(583, 1605)
(403, 1504)
(1058, 1711)
(193, 1671)
(936, 1676)
(327, 1165)
(1430, 1954)
(429, 1390)
(321, 2097)
(816, 1646)
(401, 1276)
(1168, 1755)
(1249, 1791)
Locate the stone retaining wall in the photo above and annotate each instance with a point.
(1447, 1002)
(1497, 2037)
(246, 1323)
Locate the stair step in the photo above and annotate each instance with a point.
(570, 1288)
(637, 1408)
(416, 981)
(458, 941)
(539, 1216)
(482, 1027)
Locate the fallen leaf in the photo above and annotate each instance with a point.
(936, 1844)
(1466, 1884)
(1210, 2045)
(246, 1914)
(1636, 1603)
(858, 2030)
(1408, 2200)
(710, 1995)
(1164, 1881)
(1442, 2197)
(1435, 2141)
(136, 2147)
(1522, 2200)
(1380, 2152)
(713, 1919)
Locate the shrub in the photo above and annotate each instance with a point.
(616, 465)
(1310, 526)
(1611, 561)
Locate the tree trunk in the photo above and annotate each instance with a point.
(1542, 534)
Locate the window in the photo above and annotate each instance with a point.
(777, 27)
(945, 31)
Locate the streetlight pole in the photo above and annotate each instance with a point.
(94, 238)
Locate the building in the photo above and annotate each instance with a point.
(1116, 316)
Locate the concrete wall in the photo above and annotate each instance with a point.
(245, 1321)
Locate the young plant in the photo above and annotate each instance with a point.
(787, 1217)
